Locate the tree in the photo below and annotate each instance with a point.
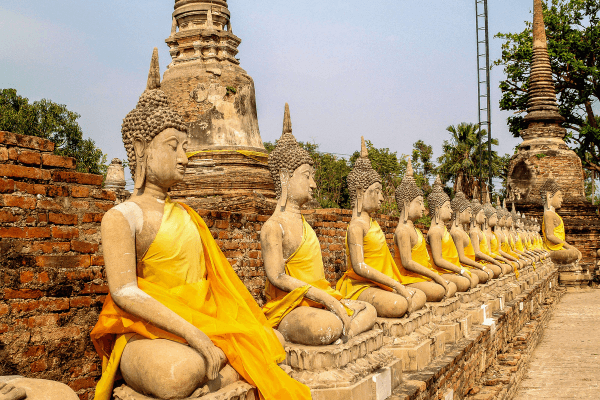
(461, 154)
(423, 166)
(573, 36)
(54, 122)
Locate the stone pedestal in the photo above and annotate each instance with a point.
(574, 275)
(235, 391)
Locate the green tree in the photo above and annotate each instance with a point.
(54, 122)
(461, 154)
(573, 35)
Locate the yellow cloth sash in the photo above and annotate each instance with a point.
(506, 249)
(559, 232)
(420, 255)
(449, 253)
(519, 243)
(185, 270)
(306, 265)
(377, 256)
(495, 245)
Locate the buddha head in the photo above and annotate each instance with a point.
(491, 214)
(291, 168)
(461, 208)
(501, 215)
(551, 194)
(364, 184)
(508, 219)
(155, 137)
(439, 203)
(477, 214)
(409, 196)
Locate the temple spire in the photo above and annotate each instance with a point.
(154, 74)
(541, 106)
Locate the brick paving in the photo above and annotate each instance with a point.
(566, 364)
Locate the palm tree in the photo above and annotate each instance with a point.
(461, 154)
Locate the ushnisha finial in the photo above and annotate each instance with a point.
(154, 74)
(487, 196)
(287, 120)
(409, 168)
(364, 153)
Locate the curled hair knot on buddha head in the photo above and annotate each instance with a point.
(408, 190)
(551, 187)
(150, 117)
(488, 208)
(459, 203)
(476, 206)
(288, 155)
(362, 175)
(437, 198)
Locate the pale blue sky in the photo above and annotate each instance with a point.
(393, 71)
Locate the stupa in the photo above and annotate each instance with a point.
(544, 154)
(205, 83)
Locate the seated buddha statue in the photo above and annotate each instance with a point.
(443, 250)
(553, 227)
(461, 215)
(516, 239)
(411, 254)
(301, 303)
(177, 321)
(491, 221)
(503, 239)
(372, 274)
(528, 226)
(20, 388)
(524, 237)
(479, 241)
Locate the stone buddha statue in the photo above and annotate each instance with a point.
(411, 254)
(443, 250)
(503, 239)
(372, 274)
(301, 304)
(530, 241)
(491, 221)
(553, 227)
(479, 242)
(20, 388)
(178, 321)
(516, 238)
(524, 237)
(461, 215)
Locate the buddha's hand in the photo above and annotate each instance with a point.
(213, 356)
(336, 307)
(10, 392)
(408, 294)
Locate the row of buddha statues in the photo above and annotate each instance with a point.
(178, 322)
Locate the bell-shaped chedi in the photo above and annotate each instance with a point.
(543, 150)
(216, 97)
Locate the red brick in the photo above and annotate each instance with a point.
(104, 206)
(3, 153)
(104, 195)
(76, 177)
(22, 294)
(30, 157)
(74, 261)
(7, 185)
(38, 233)
(62, 219)
(51, 247)
(3, 328)
(82, 383)
(92, 288)
(27, 276)
(43, 277)
(59, 232)
(82, 205)
(58, 191)
(79, 302)
(84, 247)
(80, 191)
(51, 160)
(3, 309)
(49, 205)
(92, 217)
(31, 188)
(35, 351)
(98, 261)
(40, 305)
(30, 142)
(18, 171)
(14, 233)
(10, 200)
(8, 216)
(222, 225)
(39, 366)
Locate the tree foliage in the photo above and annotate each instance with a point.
(54, 122)
(573, 45)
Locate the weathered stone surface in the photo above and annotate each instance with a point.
(235, 391)
(39, 389)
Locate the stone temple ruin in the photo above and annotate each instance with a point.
(220, 284)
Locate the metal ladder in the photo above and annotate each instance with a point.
(483, 84)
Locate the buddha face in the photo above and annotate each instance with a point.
(416, 208)
(493, 221)
(302, 184)
(465, 216)
(373, 198)
(480, 218)
(556, 200)
(501, 222)
(445, 212)
(509, 222)
(166, 160)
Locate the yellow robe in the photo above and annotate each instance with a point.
(519, 243)
(185, 270)
(559, 232)
(306, 265)
(505, 248)
(449, 253)
(420, 255)
(377, 256)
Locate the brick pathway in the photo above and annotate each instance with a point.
(566, 364)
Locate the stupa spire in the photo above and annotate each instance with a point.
(541, 106)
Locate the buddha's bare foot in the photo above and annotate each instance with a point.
(227, 376)
(10, 392)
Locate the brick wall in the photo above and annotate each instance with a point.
(51, 276)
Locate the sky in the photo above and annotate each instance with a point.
(392, 71)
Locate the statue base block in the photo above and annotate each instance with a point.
(574, 275)
(235, 391)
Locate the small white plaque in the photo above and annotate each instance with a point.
(449, 395)
(521, 306)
